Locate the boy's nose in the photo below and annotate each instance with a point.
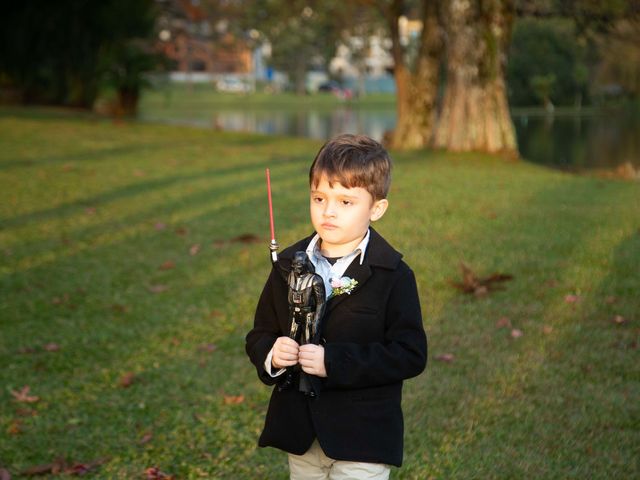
(330, 211)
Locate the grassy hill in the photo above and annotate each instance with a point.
(132, 256)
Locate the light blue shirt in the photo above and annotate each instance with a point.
(328, 271)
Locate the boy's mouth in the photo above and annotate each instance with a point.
(329, 226)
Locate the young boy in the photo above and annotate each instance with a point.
(372, 332)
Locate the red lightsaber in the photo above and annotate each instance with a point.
(273, 246)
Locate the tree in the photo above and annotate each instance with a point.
(475, 112)
(303, 34)
(60, 52)
(417, 80)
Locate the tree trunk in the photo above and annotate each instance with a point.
(475, 111)
(416, 92)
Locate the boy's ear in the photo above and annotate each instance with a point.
(378, 209)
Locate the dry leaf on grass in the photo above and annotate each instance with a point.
(445, 357)
(51, 347)
(516, 333)
(154, 473)
(158, 288)
(194, 249)
(619, 320)
(168, 265)
(503, 322)
(571, 298)
(127, 379)
(246, 238)
(23, 395)
(472, 284)
(208, 347)
(233, 399)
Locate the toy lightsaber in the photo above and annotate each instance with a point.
(273, 246)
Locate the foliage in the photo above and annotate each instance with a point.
(127, 286)
(60, 52)
(543, 48)
(303, 34)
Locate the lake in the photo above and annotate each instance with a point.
(592, 140)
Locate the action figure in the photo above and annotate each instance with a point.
(306, 308)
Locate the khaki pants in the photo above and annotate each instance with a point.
(315, 465)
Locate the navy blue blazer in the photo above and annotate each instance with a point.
(373, 339)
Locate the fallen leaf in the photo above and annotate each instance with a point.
(516, 333)
(572, 298)
(160, 226)
(611, 299)
(158, 288)
(139, 173)
(480, 291)
(246, 238)
(118, 308)
(127, 379)
(27, 350)
(503, 322)
(154, 473)
(547, 329)
(182, 231)
(51, 347)
(23, 395)
(233, 399)
(15, 427)
(60, 300)
(168, 265)
(208, 347)
(54, 468)
(445, 357)
(194, 249)
(146, 438)
(90, 210)
(619, 320)
(26, 412)
(4, 474)
(215, 314)
(478, 286)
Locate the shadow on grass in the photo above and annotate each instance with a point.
(507, 419)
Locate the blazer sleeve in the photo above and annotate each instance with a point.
(266, 330)
(402, 355)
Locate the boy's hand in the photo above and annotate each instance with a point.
(285, 353)
(311, 358)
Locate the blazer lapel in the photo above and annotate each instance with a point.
(358, 272)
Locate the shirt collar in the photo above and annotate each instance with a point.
(313, 250)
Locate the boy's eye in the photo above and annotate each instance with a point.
(347, 202)
(317, 199)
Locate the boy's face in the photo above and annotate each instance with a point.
(341, 215)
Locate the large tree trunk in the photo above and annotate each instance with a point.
(416, 90)
(475, 112)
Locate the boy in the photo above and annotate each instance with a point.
(372, 332)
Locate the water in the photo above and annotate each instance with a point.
(568, 142)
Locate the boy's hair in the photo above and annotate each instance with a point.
(353, 161)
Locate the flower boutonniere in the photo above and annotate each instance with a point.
(342, 285)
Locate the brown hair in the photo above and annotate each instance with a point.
(353, 161)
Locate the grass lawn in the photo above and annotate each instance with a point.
(124, 301)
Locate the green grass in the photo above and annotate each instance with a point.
(91, 210)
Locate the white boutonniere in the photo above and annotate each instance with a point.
(342, 285)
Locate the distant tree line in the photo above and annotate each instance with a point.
(64, 52)
(455, 81)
